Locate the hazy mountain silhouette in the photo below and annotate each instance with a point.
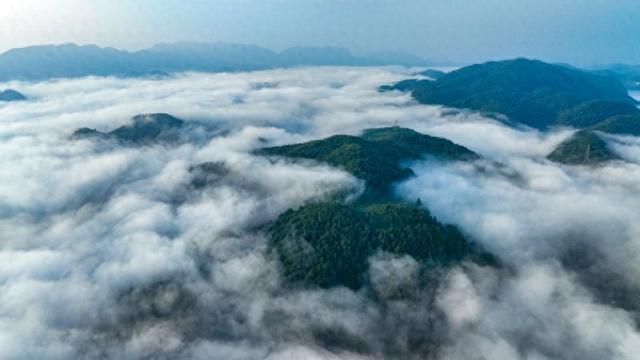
(71, 60)
(11, 95)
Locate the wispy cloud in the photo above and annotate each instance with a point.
(107, 251)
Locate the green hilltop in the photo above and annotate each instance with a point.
(586, 147)
(377, 155)
(143, 129)
(11, 95)
(329, 244)
(591, 113)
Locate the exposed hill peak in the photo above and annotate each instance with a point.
(586, 147)
(582, 148)
(144, 129)
(376, 156)
(11, 95)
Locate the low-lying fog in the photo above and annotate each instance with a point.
(107, 251)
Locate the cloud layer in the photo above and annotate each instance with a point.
(109, 251)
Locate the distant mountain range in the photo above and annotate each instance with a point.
(71, 60)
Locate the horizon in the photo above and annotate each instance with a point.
(584, 33)
(320, 179)
(430, 62)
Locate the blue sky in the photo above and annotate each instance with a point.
(576, 31)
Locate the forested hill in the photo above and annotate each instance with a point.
(329, 244)
(376, 156)
(11, 95)
(143, 129)
(529, 92)
(587, 146)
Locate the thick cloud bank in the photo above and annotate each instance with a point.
(110, 251)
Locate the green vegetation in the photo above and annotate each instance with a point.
(377, 155)
(329, 244)
(323, 244)
(143, 129)
(416, 145)
(621, 125)
(592, 112)
(374, 163)
(583, 148)
(147, 127)
(407, 229)
(586, 147)
(530, 92)
(628, 75)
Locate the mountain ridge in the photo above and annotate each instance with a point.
(376, 155)
(587, 147)
(71, 60)
(529, 92)
(327, 244)
(143, 129)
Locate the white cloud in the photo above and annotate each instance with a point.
(107, 252)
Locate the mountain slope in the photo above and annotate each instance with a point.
(592, 112)
(583, 148)
(144, 129)
(620, 125)
(329, 244)
(530, 92)
(68, 60)
(376, 156)
(586, 147)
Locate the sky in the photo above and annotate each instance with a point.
(575, 31)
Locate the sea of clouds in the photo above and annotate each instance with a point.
(108, 251)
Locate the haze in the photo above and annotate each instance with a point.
(581, 32)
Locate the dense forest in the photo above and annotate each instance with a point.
(377, 155)
(587, 146)
(530, 92)
(329, 244)
(540, 95)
